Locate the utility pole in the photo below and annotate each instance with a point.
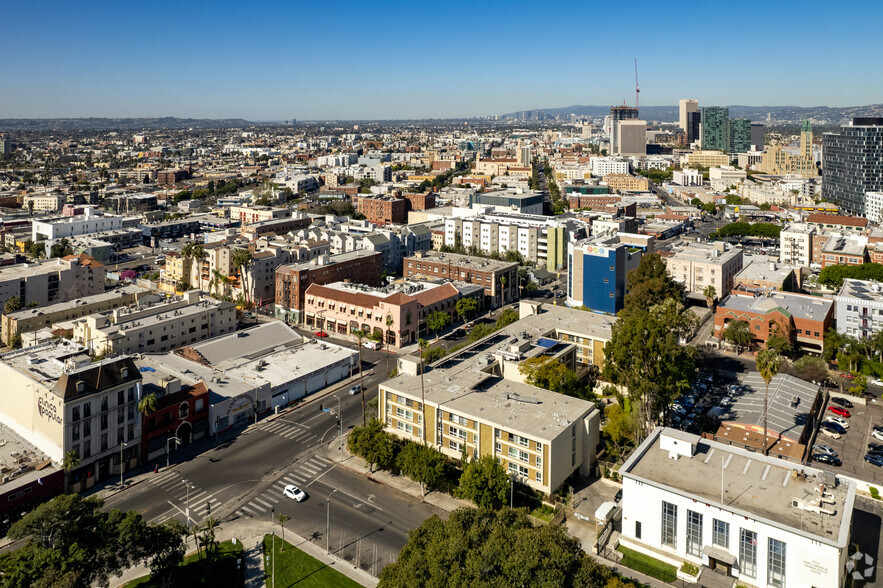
(328, 521)
(122, 445)
(272, 519)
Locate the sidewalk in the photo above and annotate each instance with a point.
(251, 533)
(401, 483)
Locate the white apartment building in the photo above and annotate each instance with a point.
(72, 226)
(687, 177)
(759, 521)
(724, 176)
(858, 308)
(795, 244)
(147, 328)
(603, 166)
(874, 207)
(699, 265)
(51, 281)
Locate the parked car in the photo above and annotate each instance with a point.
(825, 449)
(840, 411)
(559, 294)
(877, 427)
(847, 376)
(461, 332)
(838, 420)
(877, 382)
(822, 458)
(873, 459)
(833, 427)
(829, 433)
(295, 493)
(873, 445)
(321, 334)
(842, 402)
(355, 389)
(878, 435)
(372, 345)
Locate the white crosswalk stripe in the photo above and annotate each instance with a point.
(253, 505)
(310, 469)
(264, 502)
(272, 499)
(250, 511)
(320, 460)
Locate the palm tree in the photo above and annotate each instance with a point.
(767, 362)
(360, 334)
(13, 304)
(423, 344)
(710, 294)
(241, 261)
(68, 464)
(147, 405)
(208, 537)
(281, 518)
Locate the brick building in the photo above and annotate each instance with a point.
(499, 278)
(423, 201)
(383, 210)
(292, 281)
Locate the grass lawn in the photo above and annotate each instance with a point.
(190, 573)
(647, 565)
(296, 568)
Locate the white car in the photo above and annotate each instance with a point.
(877, 383)
(838, 420)
(295, 493)
(878, 435)
(829, 433)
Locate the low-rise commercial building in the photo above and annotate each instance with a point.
(57, 228)
(292, 281)
(758, 520)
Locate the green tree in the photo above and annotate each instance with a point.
(61, 248)
(811, 369)
(767, 362)
(739, 334)
(282, 518)
(13, 304)
(166, 550)
(619, 426)
(16, 342)
(650, 284)
(506, 318)
(148, 404)
(466, 308)
(859, 385)
(549, 373)
(69, 463)
(436, 321)
(645, 356)
(483, 547)
(241, 261)
(373, 444)
(422, 463)
(834, 342)
(484, 482)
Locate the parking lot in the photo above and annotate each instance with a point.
(852, 447)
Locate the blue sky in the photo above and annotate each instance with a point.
(355, 59)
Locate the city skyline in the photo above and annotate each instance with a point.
(210, 60)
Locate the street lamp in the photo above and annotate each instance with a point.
(188, 485)
(122, 445)
(328, 521)
(170, 439)
(272, 521)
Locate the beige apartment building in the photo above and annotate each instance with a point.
(477, 404)
(699, 265)
(53, 280)
(158, 327)
(627, 183)
(705, 159)
(32, 319)
(43, 202)
(58, 400)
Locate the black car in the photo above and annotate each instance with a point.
(459, 333)
(875, 446)
(842, 402)
(822, 458)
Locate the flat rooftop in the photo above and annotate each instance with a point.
(280, 367)
(460, 260)
(862, 289)
(96, 299)
(21, 461)
(759, 269)
(45, 362)
(248, 344)
(332, 259)
(754, 486)
(705, 253)
(798, 305)
(790, 401)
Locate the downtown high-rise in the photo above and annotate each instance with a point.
(852, 163)
(715, 127)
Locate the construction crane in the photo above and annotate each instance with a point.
(637, 87)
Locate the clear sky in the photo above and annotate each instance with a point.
(355, 59)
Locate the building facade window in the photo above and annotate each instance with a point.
(748, 553)
(669, 524)
(720, 534)
(694, 533)
(776, 563)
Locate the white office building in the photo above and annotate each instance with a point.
(874, 207)
(795, 244)
(726, 510)
(71, 226)
(604, 166)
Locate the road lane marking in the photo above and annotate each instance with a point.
(257, 506)
(264, 502)
(249, 511)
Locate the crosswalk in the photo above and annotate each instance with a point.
(301, 476)
(293, 431)
(201, 504)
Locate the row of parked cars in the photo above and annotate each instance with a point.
(685, 410)
(836, 424)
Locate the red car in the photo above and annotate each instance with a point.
(840, 411)
(321, 334)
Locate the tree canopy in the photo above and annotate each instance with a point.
(481, 547)
(71, 541)
(650, 284)
(373, 444)
(833, 275)
(422, 463)
(740, 229)
(485, 482)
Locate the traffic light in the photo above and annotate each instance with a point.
(208, 509)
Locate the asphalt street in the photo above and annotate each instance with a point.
(243, 476)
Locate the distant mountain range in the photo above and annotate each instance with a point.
(778, 114)
(121, 124)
